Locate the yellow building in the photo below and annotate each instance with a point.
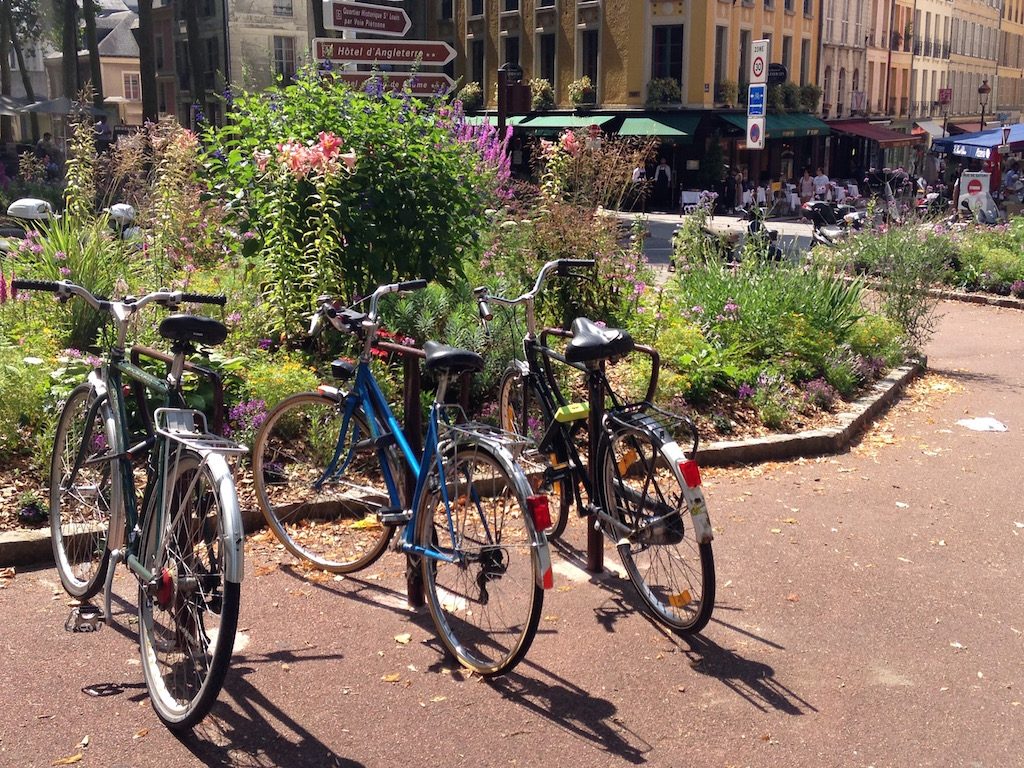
(1008, 95)
(973, 54)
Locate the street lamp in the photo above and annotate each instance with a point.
(983, 91)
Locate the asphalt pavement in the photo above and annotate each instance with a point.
(868, 614)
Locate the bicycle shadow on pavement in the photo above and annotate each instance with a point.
(250, 731)
(574, 710)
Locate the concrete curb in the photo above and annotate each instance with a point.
(977, 298)
(815, 442)
(32, 546)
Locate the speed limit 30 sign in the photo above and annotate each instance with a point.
(759, 52)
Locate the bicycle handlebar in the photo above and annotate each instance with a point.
(65, 289)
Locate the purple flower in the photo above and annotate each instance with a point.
(745, 392)
(60, 256)
(264, 344)
(72, 352)
(697, 309)
(234, 317)
(64, 271)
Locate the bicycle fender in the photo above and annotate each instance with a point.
(233, 537)
(115, 529)
(675, 456)
(542, 573)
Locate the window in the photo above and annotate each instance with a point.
(787, 51)
(721, 53)
(283, 8)
(475, 7)
(769, 5)
(158, 51)
(667, 52)
(808, 8)
(212, 54)
(844, 23)
(512, 49)
(447, 10)
(546, 65)
(545, 3)
(284, 57)
(132, 86)
(805, 60)
(830, 12)
(510, 5)
(741, 78)
(590, 46)
(476, 57)
(788, 6)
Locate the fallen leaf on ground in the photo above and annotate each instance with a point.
(71, 760)
(793, 597)
(140, 734)
(394, 677)
(403, 638)
(7, 573)
(776, 530)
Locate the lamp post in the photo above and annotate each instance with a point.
(983, 91)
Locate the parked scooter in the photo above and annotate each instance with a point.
(933, 203)
(26, 212)
(831, 222)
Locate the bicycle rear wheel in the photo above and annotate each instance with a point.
(672, 571)
(82, 499)
(328, 521)
(520, 412)
(486, 603)
(189, 615)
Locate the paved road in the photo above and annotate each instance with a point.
(869, 614)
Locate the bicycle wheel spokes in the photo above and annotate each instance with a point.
(321, 496)
(189, 616)
(81, 493)
(485, 602)
(672, 572)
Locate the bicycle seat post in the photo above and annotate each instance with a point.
(595, 394)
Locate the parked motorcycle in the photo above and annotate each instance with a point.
(831, 222)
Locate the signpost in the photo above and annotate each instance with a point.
(377, 19)
(756, 95)
(431, 52)
(422, 83)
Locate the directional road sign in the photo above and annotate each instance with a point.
(423, 83)
(759, 61)
(755, 133)
(378, 19)
(755, 99)
(431, 52)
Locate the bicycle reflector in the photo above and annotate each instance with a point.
(691, 473)
(539, 511)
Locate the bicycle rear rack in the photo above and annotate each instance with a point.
(459, 429)
(189, 428)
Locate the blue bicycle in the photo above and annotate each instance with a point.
(329, 470)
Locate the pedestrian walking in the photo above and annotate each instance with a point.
(821, 184)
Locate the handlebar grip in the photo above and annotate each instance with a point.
(204, 298)
(485, 311)
(576, 263)
(35, 285)
(413, 285)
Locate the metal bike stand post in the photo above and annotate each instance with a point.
(414, 434)
(595, 394)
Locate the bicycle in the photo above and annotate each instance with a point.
(642, 490)
(183, 541)
(329, 470)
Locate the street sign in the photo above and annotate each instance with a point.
(431, 52)
(759, 61)
(755, 133)
(777, 74)
(945, 96)
(423, 83)
(756, 94)
(1006, 134)
(378, 19)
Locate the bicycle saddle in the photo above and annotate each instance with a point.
(183, 328)
(592, 342)
(441, 357)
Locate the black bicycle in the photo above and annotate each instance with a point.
(638, 486)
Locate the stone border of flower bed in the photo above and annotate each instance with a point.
(992, 300)
(816, 442)
(32, 546)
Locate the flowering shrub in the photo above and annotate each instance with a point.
(582, 92)
(820, 394)
(542, 95)
(410, 206)
(244, 420)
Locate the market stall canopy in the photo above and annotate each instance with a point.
(980, 145)
(933, 128)
(62, 105)
(875, 132)
(784, 126)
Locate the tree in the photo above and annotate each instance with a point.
(6, 126)
(69, 46)
(147, 63)
(196, 53)
(91, 42)
(26, 27)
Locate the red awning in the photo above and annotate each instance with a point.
(884, 136)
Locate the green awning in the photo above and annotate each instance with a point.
(669, 126)
(784, 126)
(555, 123)
(493, 119)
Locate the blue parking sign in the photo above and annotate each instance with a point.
(755, 99)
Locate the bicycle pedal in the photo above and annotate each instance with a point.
(84, 618)
(394, 516)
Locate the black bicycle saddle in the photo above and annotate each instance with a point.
(592, 342)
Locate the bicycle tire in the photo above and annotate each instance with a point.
(673, 573)
(81, 514)
(184, 656)
(460, 596)
(334, 528)
(520, 412)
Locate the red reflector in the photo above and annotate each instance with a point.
(549, 579)
(539, 511)
(691, 473)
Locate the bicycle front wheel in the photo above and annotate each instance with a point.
(189, 614)
(479, 575)
(320, 489)
(520, 412)
(673, 573)
(83, 492)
